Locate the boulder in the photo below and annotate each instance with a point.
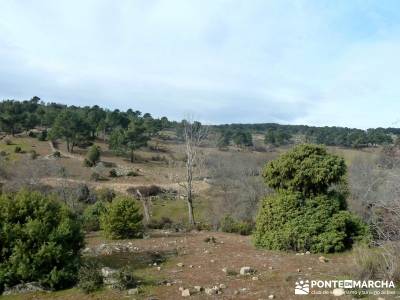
(185, 293)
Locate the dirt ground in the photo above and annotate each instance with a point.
(203, 264)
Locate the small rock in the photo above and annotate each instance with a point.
(23, 288)
(180, 265)
(270, 268)
(210, 291)
(224, 270)
(308, 252)
(190, 266)
(181, 288)
(108, 272)
(168, 284)
(298, 270)
(254, 278)
(198, 288)
(158, 268)
(338, 292)
(323, 259)
(236, 292)
(222, 286)
(186, 293)
(246, 270)
(212, 261)
(134, 291)
(271, 297)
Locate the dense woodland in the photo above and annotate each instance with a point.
(129, 130)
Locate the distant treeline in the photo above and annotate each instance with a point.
(277, 134)
(131, 129)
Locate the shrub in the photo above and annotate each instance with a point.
(57, 154)
(132, 174)
(90, 277)
(87, 163)
(42, 136)
(305, 214)
(93, 155)
(95, 176)
(8, 142)
(163, 223)
(125, 279)
(113, 173)
(287, 221)
(229, 224)
(17, 149)
(122, 219)
(91, 216)
(33, 154)
(32, 134)
(105, 194)
(40, 240)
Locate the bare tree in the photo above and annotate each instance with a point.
(194, 134)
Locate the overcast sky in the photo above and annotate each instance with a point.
(293, 62)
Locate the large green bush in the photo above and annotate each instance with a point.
(91, 216)
(92, 156)
(122, 219)
(40, 240)
(305, 213)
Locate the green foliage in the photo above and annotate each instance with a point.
(93, 155)
(17, 149)
(125, 279)
(113, 173)
(57, 154)
(242, 138)
(229, 224)
(90, 277)
(40, 240)
(42, 135)
(91, 216)
(304, 214)
(277, 137)
(122, 219)
(105, 194)
(288, 221)
(307, 168)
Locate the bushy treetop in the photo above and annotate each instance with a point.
(307, 169)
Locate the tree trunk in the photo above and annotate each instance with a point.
(131, 156)
(146, 210)
(68, 146)
(190, 211)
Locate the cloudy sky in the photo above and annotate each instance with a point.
(310, 62)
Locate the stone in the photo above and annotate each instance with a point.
(185, 293)
(298, 270)
(236, 293)
(108, 272)
(134, 291)
(168, 284)
(159, 268)
(270, 268)
(323, 259)
(23, 288)
(224, 270)
(181, 288)
(254, 278)
(246, 270)
(210, 291)
(308, 252)
(222, 286)
(190, 266)
(180, 265)
(198, 288)
(338, 292)
(271, 297)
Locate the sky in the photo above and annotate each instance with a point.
(314, 62)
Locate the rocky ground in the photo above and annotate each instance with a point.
(205, 265)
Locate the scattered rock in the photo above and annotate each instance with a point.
(180, 265)
(254, 278)
(186, 293)
(323, 259)
(23, 288)
(271, 297)
(246, 270)
(210, 291)
(224, 270)
(134, 291)
(308, 252)
(212, 261)
(298, 270)
(222, 286)
(168, 284)
(236, 293)
(181, 288)
(338, 292)
(198, 288)
(270, 268)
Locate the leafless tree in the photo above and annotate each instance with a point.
(194, 134)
